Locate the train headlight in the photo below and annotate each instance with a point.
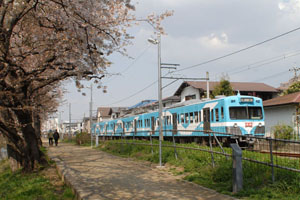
(259, 125)
(235, 125)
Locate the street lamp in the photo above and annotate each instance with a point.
(91, 114)
(158, 43)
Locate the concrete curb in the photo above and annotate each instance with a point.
(66, 178)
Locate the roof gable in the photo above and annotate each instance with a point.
(236, 86)
(104, 111)
(281, 100)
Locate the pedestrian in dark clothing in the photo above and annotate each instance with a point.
(50, 137)
(56, 137)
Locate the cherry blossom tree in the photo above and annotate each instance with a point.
(44, 42)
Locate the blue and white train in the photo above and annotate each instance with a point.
(226, 116)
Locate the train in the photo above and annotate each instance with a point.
(228, 117)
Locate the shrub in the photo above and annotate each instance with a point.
(283, 132)
(83, 138)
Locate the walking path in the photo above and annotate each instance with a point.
(97, 175)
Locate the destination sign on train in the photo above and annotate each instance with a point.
(246, 99)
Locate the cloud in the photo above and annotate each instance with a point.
(214, 41)
(291, 6)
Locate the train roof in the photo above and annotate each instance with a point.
(185, 103)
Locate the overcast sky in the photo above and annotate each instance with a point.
(199, 31)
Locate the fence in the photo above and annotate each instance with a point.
(269, 152)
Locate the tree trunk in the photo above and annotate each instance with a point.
(37, 126)
(22, 144)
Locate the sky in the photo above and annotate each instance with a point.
(199, 31)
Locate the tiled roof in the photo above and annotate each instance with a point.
(105, 111)
(282, 100)
(237, 86)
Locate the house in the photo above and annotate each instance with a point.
(197, 89)
(103, 113)
(109, 113)
(70, 129)
(282, 110)
(86, 124)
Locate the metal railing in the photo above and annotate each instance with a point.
(273, 153)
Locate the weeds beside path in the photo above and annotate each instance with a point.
(43, 184)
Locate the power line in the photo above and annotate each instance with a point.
(261, 65)
(133, 94)
(272, 76)
(264, 61)
(238, 51)
(132, 63)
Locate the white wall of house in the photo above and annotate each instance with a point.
(275, 115)
(187, 91)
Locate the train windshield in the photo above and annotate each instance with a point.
(245, 113)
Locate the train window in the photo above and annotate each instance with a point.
(199, 116)
(196, 117)
(222, 113)
(186, 118)
(255, 112)
(182, 118)
(217, 114)
(191, 117)
(212, 115)
(245, 113)
(238, 113)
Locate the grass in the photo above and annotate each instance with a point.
(43, 184)
(196, 166)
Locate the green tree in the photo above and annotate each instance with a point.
(295, 87)
(223, 88)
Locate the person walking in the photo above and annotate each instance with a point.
(56, 137)
(50, 137)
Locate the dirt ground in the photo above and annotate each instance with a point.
(98, 175)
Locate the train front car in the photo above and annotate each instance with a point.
(244, 116)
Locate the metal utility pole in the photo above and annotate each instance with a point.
(91, 114)
(207, 84)
(161, 136)
(69, 120)
(158, 43)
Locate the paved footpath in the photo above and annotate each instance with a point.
(94, 175)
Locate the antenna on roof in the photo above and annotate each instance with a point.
(295, 69)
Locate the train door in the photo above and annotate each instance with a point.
(206, 119)
(174, 131)
(135, 128)
(153, 125)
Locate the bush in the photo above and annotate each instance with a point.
(83, 138)
(283, 132)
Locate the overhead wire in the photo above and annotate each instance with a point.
(263, 64)
(272, 76)
(264, 61)
(213, 60)
(238, 51)
(132, 63)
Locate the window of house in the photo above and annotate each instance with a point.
(212, 114)
(182, 118)
(189, 97)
